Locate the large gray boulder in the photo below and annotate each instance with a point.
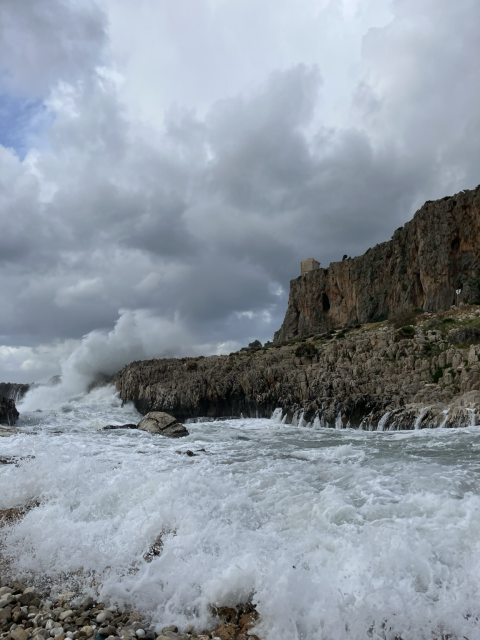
(163, 424)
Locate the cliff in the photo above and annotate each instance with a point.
(424, 263)
(373, 376)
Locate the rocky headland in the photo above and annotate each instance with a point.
(373, 376)
(344, 355)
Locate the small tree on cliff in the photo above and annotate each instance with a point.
(403, 317)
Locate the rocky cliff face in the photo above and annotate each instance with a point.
(423, 264)
(373, 377)
(8, 412)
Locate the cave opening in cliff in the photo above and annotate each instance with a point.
(325, 302)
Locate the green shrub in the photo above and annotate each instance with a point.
(403, 317)
(407, 331)
(378, 317)
(305, 349)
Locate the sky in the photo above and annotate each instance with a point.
(165, 166)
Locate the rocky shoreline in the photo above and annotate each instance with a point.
(373, 376)
(26, 613)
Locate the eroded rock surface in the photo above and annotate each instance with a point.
(351, 378)
(425, 262)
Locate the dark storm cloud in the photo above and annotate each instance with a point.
(192, 230)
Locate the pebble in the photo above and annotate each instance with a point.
(58, 631)
(65, 614)
(19, 634)
(107, 631)
(140, 633)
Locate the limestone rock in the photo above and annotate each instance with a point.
(163, 424)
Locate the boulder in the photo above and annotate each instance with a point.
(8, 411)
(163, 424)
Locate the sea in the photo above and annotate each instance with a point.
(334, 534)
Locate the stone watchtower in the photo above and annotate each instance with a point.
(310, 264)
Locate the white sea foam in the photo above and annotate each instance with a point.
(333, 533)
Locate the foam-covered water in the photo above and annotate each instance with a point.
(333, 533)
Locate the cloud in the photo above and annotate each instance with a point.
(192, 220)
(424, 71)
(47, 40)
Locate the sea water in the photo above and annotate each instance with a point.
(334, 534)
